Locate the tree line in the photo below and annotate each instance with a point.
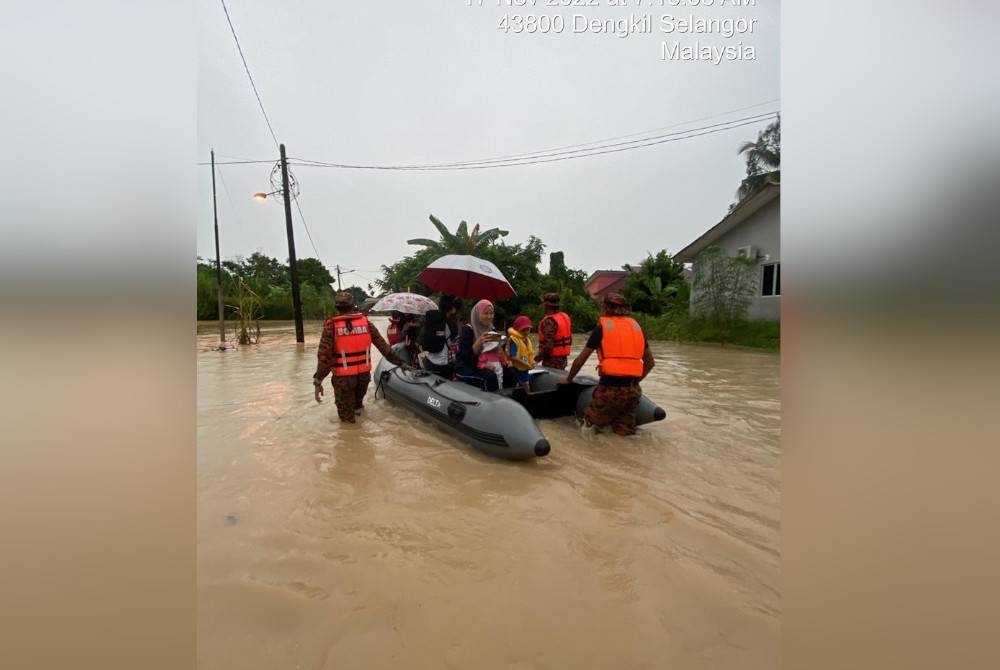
(268, 280)
(258, 286)
(655, 286)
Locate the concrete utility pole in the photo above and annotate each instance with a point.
(218, 264)
(339, 272)
(292, 262)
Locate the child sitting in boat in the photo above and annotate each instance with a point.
(519, 350)
(493, 358)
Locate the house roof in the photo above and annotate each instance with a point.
(600, 273)
(603, 273)
(602, 281)
(743, 211)
(614, 285)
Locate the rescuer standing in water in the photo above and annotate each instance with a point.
(345, 351)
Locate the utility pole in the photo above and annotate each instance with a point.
(339, 272)
(218, 263)
(293, 267)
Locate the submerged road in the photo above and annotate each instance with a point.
(388, 544)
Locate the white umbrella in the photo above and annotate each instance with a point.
(407, 303)
(467, 277)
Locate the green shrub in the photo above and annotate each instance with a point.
(681, 327)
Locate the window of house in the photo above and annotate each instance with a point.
(771, 279)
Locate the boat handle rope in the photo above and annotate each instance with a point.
(381, 378)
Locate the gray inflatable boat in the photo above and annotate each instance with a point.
(498, 424)
(493, 423)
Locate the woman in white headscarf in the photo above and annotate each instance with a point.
(475, 336)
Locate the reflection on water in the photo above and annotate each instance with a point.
(387, 544)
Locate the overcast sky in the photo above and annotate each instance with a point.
(406, 82)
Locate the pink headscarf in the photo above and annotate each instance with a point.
(477, 327)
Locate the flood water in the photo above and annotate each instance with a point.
(388, 544)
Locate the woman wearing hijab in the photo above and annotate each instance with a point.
(475, 336)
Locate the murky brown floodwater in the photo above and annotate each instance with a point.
(390, 545)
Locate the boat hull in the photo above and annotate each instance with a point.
(490, 422)
(549, 399)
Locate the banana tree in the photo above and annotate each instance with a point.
(461, 241)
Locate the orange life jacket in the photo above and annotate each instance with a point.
(351, 345)
(392, 332)
(564, 336)
(622, 346)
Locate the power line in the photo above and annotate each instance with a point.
(269, 127)
(306, 226)
(247, 68)
(531, 154)
(680, 123)
(551, 151)
(240, 162)
(296, 201)
(225, 187)
(540, 157)
(596, 150)
(608, 143)
(566, 152)
(234, 158)
(237, 160)
(308, 234)
(369, 276)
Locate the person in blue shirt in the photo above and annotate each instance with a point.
(519, 350)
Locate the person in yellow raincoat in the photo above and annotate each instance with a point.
(519, 349)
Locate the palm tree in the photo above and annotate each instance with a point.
(763, 159)
(459, 242)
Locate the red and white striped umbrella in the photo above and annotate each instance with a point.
(407, 303)
(467, 277)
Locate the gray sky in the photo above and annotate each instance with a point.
(405, 82)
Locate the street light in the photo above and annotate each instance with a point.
(263, 196)
(288, 189)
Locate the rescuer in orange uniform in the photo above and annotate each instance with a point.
(554, 334)
(625, 360)
(345, 351)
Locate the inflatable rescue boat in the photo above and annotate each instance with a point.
(491, 422)
(499, 424)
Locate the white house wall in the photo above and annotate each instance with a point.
(762, 230)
